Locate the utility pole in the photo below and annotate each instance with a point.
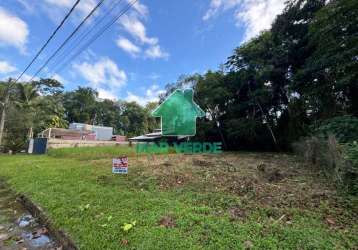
(3, 113)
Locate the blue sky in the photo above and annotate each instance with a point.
(150, 46)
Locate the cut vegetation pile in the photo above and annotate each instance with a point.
(224, 201)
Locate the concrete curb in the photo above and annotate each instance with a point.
(37, 212)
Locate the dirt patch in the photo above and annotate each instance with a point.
(170, 180)
(167, 164)
(242, 185)
(278, 181)
(248, 245)
(237, 213)
(124, 242)
(167, 171)
(271, 174)
(167, 222)
(202, 163)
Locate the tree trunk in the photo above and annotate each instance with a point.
(264, 116)
(30, 134)
(217, 123)
(3, 116)
(268, 126)
(221, 134)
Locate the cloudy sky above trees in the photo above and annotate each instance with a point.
(148, 47)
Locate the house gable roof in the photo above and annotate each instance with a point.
(179, 97)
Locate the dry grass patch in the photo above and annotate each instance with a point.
(275, 181)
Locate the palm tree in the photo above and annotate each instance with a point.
(28, 100)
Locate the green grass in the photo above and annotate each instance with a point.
(81, 196)
(92, 153)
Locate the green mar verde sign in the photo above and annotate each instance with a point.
(178, 114)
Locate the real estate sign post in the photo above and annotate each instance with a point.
(120, 165)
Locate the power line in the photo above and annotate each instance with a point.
(49, 39)
(68, 38)
(2, 118)
(97, 35)
(84, 34)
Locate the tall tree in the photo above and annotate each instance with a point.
(329, 76)
(212, 95)
(152, 122)
(28, 102)
(80, 105)
(108, 114)
(133, 119)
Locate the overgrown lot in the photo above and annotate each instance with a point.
(224, 201)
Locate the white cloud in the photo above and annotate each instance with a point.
(156, 52)
(28, 7)
(106, 94)
(258, 16)
(151, 95)
(26, 78)
(254, 15)
(6, 67)
(140, 8)
(13, 31)
(132, 97)
(219, 5)
(136, 28)
(128, 46)
(59, 78)
(133, 24)
(104, 75)
(83, 8)
(105, 71)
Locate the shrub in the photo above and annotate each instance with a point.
(14, 143)
(16, 129)
(337, 161)
(351, 176)
(344, 128)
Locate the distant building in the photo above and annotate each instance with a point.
(101, 133)
(67, 134)
(79, 135)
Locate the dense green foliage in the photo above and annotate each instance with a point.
(299, 78)
(30, 108)
(344, 128)
(285, 83)
(33, 107)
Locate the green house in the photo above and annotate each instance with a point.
(178, 114)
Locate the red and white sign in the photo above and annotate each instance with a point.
(120, 165)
